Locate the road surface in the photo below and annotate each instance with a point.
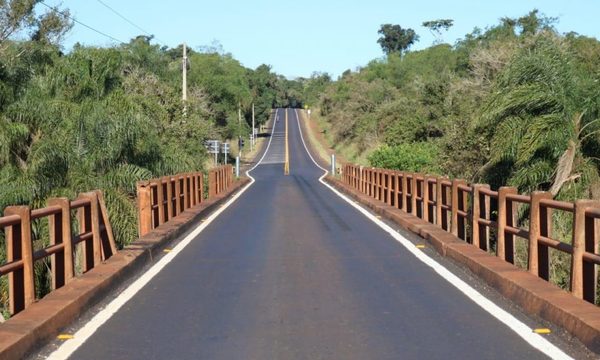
(292, 271)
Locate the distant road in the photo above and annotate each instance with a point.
(291, 271)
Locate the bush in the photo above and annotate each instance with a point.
(415, 157)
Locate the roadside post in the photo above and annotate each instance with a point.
(332, 164)
(225, 151)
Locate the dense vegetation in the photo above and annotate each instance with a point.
(514, 104)
(104, 118)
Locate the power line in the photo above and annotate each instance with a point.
(124, 18)
(80, 23)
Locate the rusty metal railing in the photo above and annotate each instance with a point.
(473, 211)
(219, 180)
(161, 199)
(94, 236)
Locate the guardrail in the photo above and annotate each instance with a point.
(161, 199)
(472, 212)
(219, 180)
(94, 237)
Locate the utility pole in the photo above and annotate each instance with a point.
(184, 87)
(286, 166)
(253, 135)
(240, 128)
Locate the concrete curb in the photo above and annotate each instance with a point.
(534, 295)
(42, 321)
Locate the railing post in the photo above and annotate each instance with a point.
(425, 197)
(370, 182)
(543, 250)
(479, 209)
(413, 194)
(404, 192)
(169, 195)
(177, 182)
(363, 187)
(377, 190)
(506, 216)
(160, 201)
(200, 176)
(186, 191)
(397, 190)
(211, 183)
(21, 283)
(455, 205)
(59, 228)
(92, 223)
(535, 231)
(439, 201)
(389, 183)
(583, 274)
(193, 189)
(144, 205)
(382, 189)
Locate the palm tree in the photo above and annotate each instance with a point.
(542, 121)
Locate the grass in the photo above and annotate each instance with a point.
(345, 151)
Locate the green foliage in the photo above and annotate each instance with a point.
(415, 157)
(437, 26)
(539, 116)
(395, 39)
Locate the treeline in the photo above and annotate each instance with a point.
(514, 104)
(104, 118)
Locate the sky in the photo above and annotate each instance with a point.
(299, 38)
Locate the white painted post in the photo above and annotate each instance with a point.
(237, 166)
(332, 164)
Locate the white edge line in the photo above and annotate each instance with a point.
(520, 328)
(84, 333)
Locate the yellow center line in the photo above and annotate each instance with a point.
(286, 166)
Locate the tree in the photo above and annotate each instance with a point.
(17, 15)
(543, 122)
(437, 26)
(395, 39)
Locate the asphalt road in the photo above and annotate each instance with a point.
(291, 271)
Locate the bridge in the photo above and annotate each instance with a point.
(373, 264)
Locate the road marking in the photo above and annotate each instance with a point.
(516, 325)
(83, 334)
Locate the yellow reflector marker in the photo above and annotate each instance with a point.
(167, 250)
(420, 246)
(65, 337)
(542, 331)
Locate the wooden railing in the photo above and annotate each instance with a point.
(160, 200)
(94, 237)
(219, 180)
(488, 219)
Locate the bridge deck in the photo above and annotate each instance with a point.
(291, 271)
